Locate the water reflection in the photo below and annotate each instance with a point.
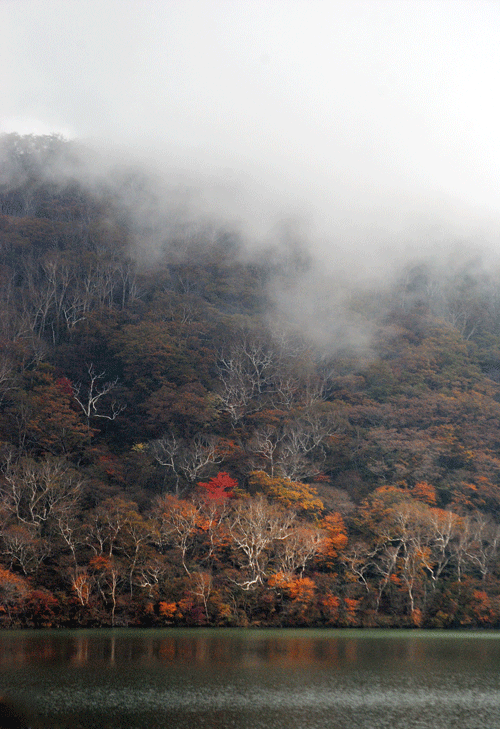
(263, 679)
(273, 648)
(104, 647)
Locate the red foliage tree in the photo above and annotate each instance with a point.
(219, 487)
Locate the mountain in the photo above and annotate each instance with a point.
(176, 449)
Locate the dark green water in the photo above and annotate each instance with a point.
(273, 679)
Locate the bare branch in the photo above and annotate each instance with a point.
(88, 398)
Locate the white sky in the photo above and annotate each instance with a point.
(371, 120)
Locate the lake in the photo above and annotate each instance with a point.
(254, 679)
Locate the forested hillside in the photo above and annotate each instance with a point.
(172, 452)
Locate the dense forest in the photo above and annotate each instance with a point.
(173, 451)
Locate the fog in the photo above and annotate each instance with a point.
(365, 131)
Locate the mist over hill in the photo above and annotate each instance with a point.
(250, 313)
(174, 391)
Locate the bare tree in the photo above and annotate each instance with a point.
(23, 546)
(300, 547)
(90, 396)
(295, 447)
(36, 492)
(7, 375)
(201, 587)
(245, 374)
(484, 542)
(265, 446)
(151, 572)
(358, 559)
(256, 527)
(443, 531)
(187, 461)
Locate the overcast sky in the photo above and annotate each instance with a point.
(372, 120)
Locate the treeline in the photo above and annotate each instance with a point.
(172, 453)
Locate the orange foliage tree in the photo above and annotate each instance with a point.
(13, 590)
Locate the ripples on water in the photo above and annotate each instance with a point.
(255, 680)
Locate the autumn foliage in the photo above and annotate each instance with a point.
(172, 452)
(219, 487)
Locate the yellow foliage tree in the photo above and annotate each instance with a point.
(288, 493)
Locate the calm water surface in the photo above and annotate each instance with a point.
(273, 679)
